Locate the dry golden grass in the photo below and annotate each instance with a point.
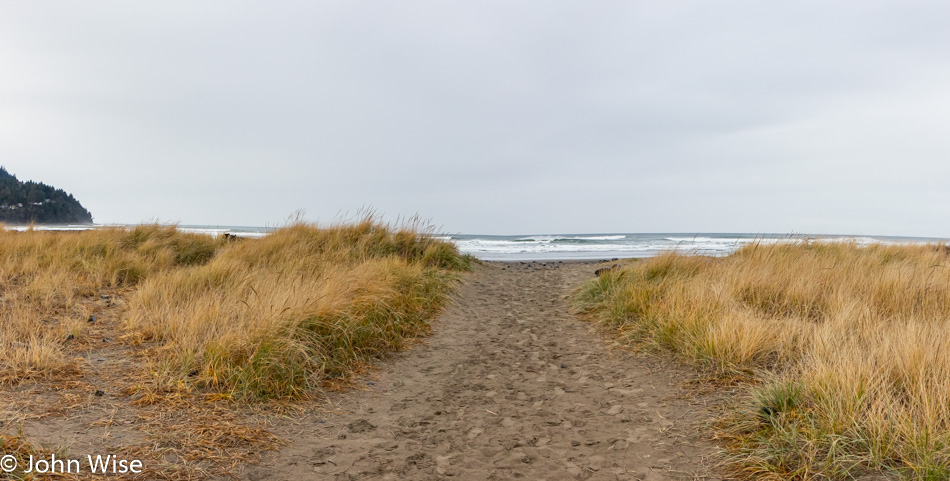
(278, 316)
(843, 346)
(49, 282)
(189, 326)
(14, 445)
(273, 316)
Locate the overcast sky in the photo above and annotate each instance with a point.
(488, 116)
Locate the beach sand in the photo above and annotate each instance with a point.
(509, 386)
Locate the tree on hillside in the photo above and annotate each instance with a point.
(25, 202)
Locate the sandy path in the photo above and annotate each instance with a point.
(509, 386)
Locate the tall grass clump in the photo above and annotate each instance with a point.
(277, 317)
(49, 282)
(845, 348)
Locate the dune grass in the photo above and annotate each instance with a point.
(261, 318)
(845, 350)
(277, 317)
(50, 280)
(14, 445)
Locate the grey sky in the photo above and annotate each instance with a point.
(488, 116)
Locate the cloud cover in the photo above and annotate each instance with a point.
(488, 117)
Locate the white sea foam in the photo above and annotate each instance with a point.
(862, 241)
(629, 245)
(23, 228)
(208, 230)
(718, 240)
(219, 231)
(541, 238)
(600, 237)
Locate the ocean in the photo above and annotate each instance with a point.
(576, 246)
(609, 246)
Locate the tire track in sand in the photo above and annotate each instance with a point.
(510, 386)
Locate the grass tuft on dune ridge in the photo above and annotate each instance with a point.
(49, 282)
(845, 348)
(261, 318)
(276, 317)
